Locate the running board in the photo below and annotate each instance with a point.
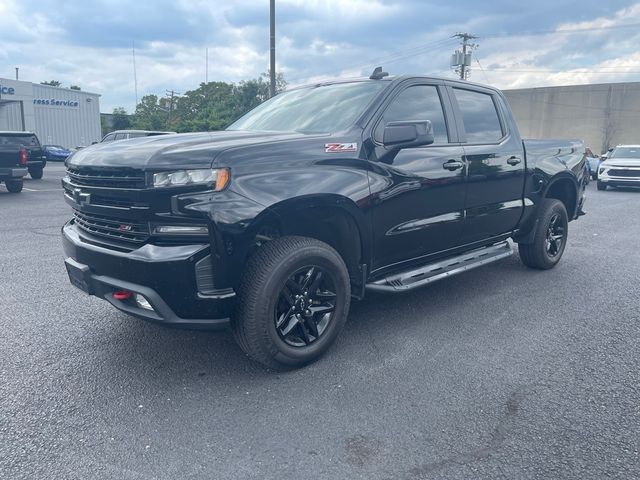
(442, 269)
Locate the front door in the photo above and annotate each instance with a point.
(418, 193)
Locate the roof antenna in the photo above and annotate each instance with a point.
(378, 74)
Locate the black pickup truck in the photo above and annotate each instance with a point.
(312, 198)
(20, 153)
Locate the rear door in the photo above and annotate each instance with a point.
(418, 192)
(495, 161)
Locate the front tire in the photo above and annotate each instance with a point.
(602, 185)
(13, 186)
(292, 303)
(36, 173)
(550, 238)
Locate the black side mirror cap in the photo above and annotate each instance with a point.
(408, 134)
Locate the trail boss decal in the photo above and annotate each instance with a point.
(340, 147)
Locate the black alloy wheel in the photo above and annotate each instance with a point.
(305, 306)
(555, 236)
(293, 301)
(549, 242)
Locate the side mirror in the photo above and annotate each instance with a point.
(408, 134)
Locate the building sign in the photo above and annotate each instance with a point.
(55, 103)
(7, 90)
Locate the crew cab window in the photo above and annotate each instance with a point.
(479, 116)
(120, 136)
(419, 102)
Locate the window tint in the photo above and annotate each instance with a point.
(420, 102)
(480, 117)
(19, 140)
(120, 136)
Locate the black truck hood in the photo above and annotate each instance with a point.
(183, 150)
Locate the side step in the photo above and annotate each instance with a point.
(442, 269)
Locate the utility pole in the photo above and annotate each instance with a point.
(272, 56)
(135, 73)
(461, 60)
(206, 65)
(171, 94)
(17, 70)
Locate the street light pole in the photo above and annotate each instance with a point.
(272, 57)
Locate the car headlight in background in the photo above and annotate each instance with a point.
(217, 176)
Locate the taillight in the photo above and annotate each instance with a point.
(23, 156)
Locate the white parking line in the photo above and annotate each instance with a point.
(45, 190)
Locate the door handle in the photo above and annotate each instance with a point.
(452, 165)
(514, 161)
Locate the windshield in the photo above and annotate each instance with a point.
(319, 109)
(626, 152)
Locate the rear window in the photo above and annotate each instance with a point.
(19, 140)
(479, 115)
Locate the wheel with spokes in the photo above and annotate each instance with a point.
(293, 302)
(550, 239)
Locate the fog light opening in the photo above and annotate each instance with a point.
(142, 302)
(122, 295)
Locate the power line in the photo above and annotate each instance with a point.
(481, 69)
(406, 53)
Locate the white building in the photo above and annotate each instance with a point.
(58, 116)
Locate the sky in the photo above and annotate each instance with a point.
(520, 44)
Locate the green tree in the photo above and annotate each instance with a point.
(120, 119)
(75, 87)
(53, 83)
(212, 106)
(151, 113)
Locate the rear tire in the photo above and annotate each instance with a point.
(36, 173)
(550, 238)
(13, 186)
(292, 303)
(601, 185)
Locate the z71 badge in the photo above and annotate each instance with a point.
(340, 147)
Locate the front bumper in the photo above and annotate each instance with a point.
(619, 176)
(164, 275)
(12, 173)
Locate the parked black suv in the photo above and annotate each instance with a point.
(20, 152)
(312, 198)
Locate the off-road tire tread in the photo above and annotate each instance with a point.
(248, 332)
(36, 173)
(532, 255)
(14, 186)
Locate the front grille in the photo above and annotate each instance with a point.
(114, 228)
(623, 173)
(98, 177)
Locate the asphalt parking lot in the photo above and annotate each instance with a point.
(502, 372)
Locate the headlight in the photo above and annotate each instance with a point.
(176, 178)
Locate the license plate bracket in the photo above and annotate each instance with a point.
(78, 275)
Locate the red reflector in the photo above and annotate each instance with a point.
(124, 295)
(23, 156)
